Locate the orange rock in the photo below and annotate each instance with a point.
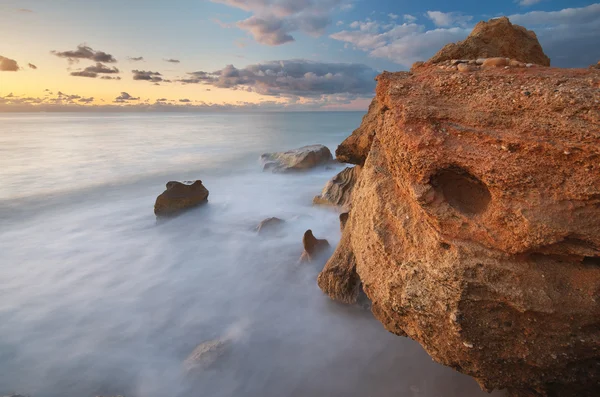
(338, 191)
(313, 246)
(495, 62)
(180, 196)
(496, 38)
(355, 148)
(464, 67)
(474, 223)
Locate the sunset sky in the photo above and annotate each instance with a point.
(253, 54)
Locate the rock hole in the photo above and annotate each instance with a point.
(462, 190)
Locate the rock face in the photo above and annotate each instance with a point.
(355, 148)
(496, 38)
(313, 246)
(475, 223)
(338, 191)
(180, 196)
(301, 159)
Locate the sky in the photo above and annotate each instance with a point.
(248, 54)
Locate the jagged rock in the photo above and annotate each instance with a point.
(301, 159)
(180, 196)
(338, 191)
(474, 225)
(496, 38)
(339, 279)
(313, 247)
(355, 148)
(269, 225)
(205, 355)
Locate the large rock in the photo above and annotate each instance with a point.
(338, 191)
(180, 196)
(301, 159)
(475, 224)
(496, 38)
(355, 148)
(313, 247)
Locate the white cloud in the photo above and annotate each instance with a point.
(273, 21)
(447, 19)
(527, 3)
(393, 16)
(409, 18)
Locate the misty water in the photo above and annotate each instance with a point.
(97, 298)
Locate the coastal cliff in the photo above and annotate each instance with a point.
(474, 222)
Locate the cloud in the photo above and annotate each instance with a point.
(401, 43)
(409, 18)
(273, 21)
(393, 16)
(110, 78)
(172, 60)
(32, 66)
(94, 70)
(527, 3)
(147, 76)
(24, 10)
(125, 97)
(85, 52)
(293, 78)
(135, 59)
(86, 100)
(447, 19)
(8, 65)
(570, 37)
(185, 100)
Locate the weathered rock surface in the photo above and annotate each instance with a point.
(475, 224)
(313, 247)
(338, 191)
(355, 148)
(269, 225)
(180, 196)
(301, 159)
(496, 38)
(205, 355)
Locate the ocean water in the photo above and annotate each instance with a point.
(97, 298)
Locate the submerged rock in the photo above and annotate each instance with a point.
(205, 355)
(269, 225)
(180, 196)
(313, 246)
(474, 225)
(301, 159)
(496, 38)
(338, 191)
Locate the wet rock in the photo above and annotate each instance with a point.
(496, 38)
(269, 225)
(313, 247)
(180, 196)
(301, 159)
(205, 355)
(474, 228)
(338, 191)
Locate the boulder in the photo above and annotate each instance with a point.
(474, 225)
(301, 159)
(498, 62)
(180, 196)
(496, 38)
(338, 191)
(313, 247)
(269, 225)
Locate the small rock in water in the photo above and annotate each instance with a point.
(180, 196)
(205, 355)
(269, 225)
(301, 159)
(312, 246)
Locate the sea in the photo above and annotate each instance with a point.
(97, 298)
